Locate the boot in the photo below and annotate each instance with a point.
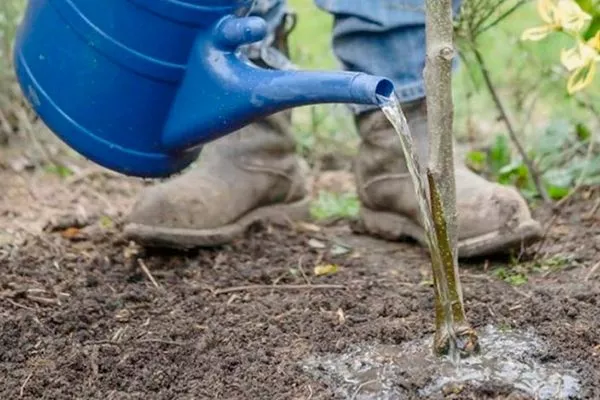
(251, 175)
(491, 218)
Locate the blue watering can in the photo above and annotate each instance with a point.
(139, 86)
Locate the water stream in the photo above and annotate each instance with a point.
(509, 359)
(393, 111)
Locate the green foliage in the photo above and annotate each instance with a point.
(562, 155)
(592, 7)
(334, 205)
(11, 107)
(553, 264)
(10, 12)
(518, 273)
(323, 128)
(510, 276)
(60, 170)
(525, 74)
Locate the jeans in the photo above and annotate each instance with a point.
(379, 37)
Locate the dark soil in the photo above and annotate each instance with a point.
(80, 318)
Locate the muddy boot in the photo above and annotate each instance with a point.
(251, 175)
(491, 218)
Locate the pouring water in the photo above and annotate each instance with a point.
(453, 334)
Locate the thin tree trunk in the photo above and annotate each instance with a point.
(453, 332)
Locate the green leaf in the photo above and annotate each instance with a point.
(106, 222)
(500, 154)
(583, 132)
(517, 280)
(510, 277)
(59, 170)
(510, 168)
(591, 168)
(334, 205)
(559, 182)
(516, 173)
(477, 160)
(557, 192)
(586, 5)
(529, 193)
(593, 27)
(561, 177)
(555, 137)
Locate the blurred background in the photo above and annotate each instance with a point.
(514, 117)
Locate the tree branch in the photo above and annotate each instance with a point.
(533, 172)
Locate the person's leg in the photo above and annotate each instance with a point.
(382, 37)
(387, 37)
(253, 174)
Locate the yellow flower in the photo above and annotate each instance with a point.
(557, 15)
(595, 41)
(581, 62)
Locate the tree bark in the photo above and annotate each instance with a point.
(453, 332)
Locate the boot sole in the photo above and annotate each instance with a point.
(185, 239)
(395, 227)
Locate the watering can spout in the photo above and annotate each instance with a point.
(238, 93)
(293, 89)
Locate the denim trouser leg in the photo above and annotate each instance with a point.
(379, 37)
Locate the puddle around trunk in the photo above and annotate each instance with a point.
(512, 359)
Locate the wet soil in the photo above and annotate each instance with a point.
(85, 314)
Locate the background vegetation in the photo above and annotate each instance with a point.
(556, 130)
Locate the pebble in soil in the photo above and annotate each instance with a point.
(509, 359)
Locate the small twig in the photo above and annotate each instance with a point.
(535, 176)
(360, 387)
(500, 18)
(592, 271)
(14, 303)
(161, 341)
(522, 293)
(101, 342)
(43, 300)
(22, 390)
(277, 287)
(595, 208)
(301, 269)
(111, 342)
(147, 272)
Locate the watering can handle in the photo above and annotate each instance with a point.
(232, 32)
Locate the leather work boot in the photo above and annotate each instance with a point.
(248, 176)
(492, 218)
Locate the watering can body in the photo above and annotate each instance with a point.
(139, 86)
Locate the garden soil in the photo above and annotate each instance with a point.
(84, 314)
